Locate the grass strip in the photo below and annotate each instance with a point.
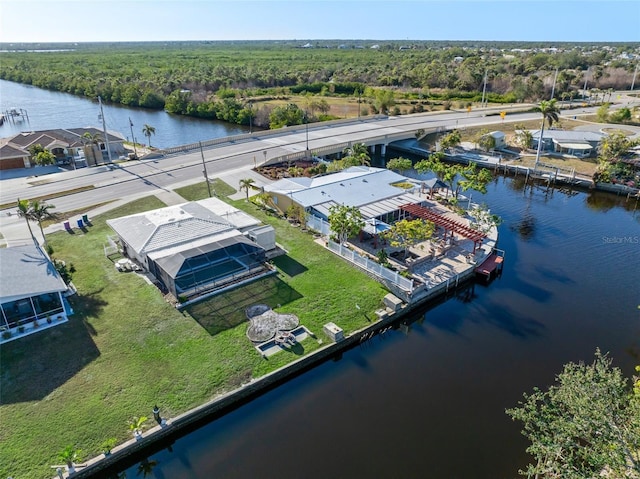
(49, 196)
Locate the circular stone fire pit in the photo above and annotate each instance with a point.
(265, 322)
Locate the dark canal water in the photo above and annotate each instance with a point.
(429, 402)
(49, 110)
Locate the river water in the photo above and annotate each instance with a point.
(428, 399)
(50, 110)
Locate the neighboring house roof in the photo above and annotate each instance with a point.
(9, 150)
(178, 225)
(17, 146)
(375, 208)
(27, 271)
(569, 136)
(60, 136)
(355, 186)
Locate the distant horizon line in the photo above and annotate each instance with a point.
(75, 42)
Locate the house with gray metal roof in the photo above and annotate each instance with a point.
(374, 191)
(31, 292)
(194, 248)
(577, 143)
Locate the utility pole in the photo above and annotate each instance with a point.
(584, 90)
(484, 87)
(104, 130)
(204, 169)
(133, 140)
(553, 89)
(633, 82)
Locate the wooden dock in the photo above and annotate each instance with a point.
(492, 264)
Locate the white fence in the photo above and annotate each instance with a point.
(372, 267)
(318, 224)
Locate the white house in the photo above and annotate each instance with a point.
(577, 143)
(197, 247)
(31, 292)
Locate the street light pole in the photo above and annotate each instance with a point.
(135, 151)
(306, 128)
(250, 117)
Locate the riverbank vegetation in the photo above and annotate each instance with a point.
(243, 82)
(126, 349)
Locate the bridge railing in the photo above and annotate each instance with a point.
(261, 134)
(338, 147)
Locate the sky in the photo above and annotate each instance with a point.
(36, 21)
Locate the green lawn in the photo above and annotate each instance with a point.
(127, 349)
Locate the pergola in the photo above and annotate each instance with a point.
(447, 223)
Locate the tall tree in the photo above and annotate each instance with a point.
(40, 211)
(399, 164)
(245, 184)
(35, 211)
(450, 140)
(356, 154)
(474, 178)
(287, 115)
(24, 212)
(93, 140)
(41, 156)
(550, 112)
(487, 142)
(523, 138)
(407, 233)
(585, 425)
(447, 173)
(345, 221)
(148, 130)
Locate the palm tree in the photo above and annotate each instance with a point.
(39, 211)
(24, 212)
(93, 139)
(359, 153)
(148, 130)
(550, 114)
(245, 184)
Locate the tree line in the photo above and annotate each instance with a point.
(220, 80)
